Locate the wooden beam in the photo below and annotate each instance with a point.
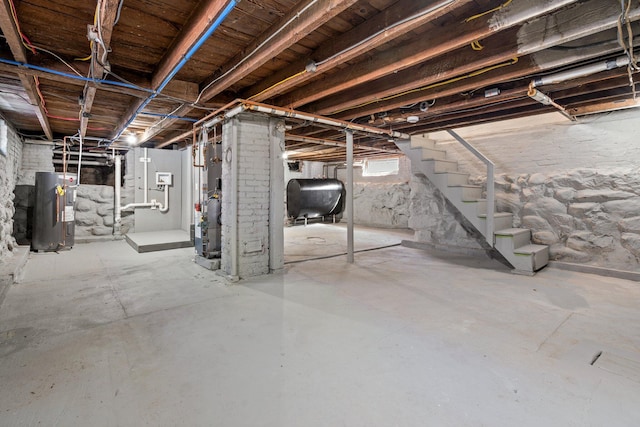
(596, 16)
(372, 33)
(30, 83)
(393, 60)
(294, 26)
(327, 142)
(108, 12)
(193, 31)
(182, 90)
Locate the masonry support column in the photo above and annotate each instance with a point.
(252, 196)
(350, 213)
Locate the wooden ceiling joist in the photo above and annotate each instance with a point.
(391, 61)
(107, 13)
(188, 37)
(297, 24)
(375, 32)
(29, 83)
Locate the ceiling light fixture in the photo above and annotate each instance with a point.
(413, 119)
(132, 138)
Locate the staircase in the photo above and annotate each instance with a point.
(514, 244)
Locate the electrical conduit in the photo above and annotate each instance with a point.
(178, 67)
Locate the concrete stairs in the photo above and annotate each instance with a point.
(514, 244)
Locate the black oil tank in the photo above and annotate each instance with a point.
(313, 198)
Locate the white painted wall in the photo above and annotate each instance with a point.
(152, 219)
(576, 185)
(550, 143)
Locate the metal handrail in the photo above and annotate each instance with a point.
(491, 197)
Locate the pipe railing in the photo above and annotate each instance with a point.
(491, 197)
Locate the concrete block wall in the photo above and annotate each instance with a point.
(258, 146)
(36, 157)
(576, 185)
(9, 169)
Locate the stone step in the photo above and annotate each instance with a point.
(455, 178)
(518, 236)
(464, 193)
(501, 220)
(530, 258)
(421, 141)
(441, 166)
(431, 154)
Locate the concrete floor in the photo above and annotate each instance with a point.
(104, 336)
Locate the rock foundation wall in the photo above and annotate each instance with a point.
(577, 186)
(9, 168)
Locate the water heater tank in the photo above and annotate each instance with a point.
(53, 214)
(313, 198)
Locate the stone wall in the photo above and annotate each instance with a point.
(584, 215)
(36, 157)
(381, 205)
(435, 221)
(94, 211)
(9, 168)
(576, 185)
(380, 201)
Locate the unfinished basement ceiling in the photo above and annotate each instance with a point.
(168, 63)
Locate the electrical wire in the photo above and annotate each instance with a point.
(23, 38)
(361, 42)
(59, 58)
(495, 9)
(118, 13)
(267, 40)
(431, 86)
(42, 101)
(16, 94)
(277, 84)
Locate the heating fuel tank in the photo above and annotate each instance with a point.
(313, 198)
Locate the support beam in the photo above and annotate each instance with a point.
(188, 39)
(294, 26)
(392, 61)
(30, 83)
(566, 25)
(107, 12)
(397, 20)
(327, 142)
(538, 62)
(182, 90)
(350, 257)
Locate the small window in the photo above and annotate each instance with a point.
(3, 137)
(295, 166)
(382, 167)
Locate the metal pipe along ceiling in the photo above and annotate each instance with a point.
(214, 25)
(244, 105)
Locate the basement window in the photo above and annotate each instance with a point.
(4, 138)
(381, 167)
(295, 166)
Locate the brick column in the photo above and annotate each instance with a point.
(252, 196)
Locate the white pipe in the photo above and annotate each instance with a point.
(76, 162)
(79, 159)
(146, 178)
(587, 70)
(326, 121)
(350, 258)
(118, 181)
(153, 204)
(234, 201)
(165, 208)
